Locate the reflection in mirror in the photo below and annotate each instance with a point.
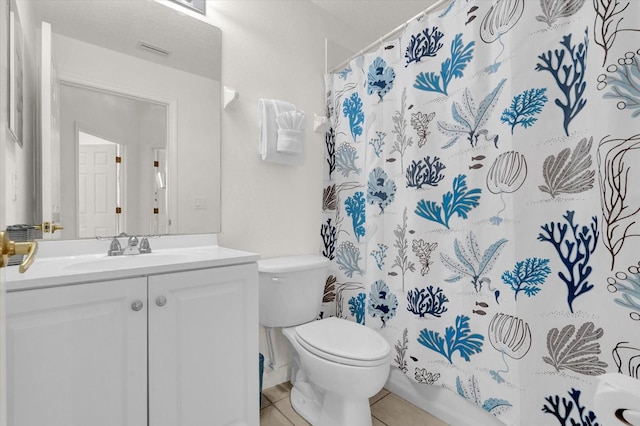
(102, 127)
(136, 81)
(98, 186)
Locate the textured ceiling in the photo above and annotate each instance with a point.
(194, 45)
(374, 18)
(119, 25)
(369, 20)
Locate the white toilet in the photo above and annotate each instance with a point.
(337, 364)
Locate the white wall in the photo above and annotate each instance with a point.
(272, 209)
(272, 49)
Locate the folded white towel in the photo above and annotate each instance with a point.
(291, 120)
(289, 141)
(290, 132)
(291, 149)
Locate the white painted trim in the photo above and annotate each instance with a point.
(281, 374)
(4, 139)
(46, 91)
(439, 401)
(172, 172)
(3, 350)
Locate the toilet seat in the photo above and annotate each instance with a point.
(344, 342)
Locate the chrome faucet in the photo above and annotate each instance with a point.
(115, 249)
(132, 246)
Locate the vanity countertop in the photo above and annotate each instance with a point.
(80, 261)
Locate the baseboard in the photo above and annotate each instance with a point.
(439, 401)
(280, 374)
(436, 400)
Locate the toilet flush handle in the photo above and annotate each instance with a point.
(279, 279)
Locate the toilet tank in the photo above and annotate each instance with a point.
(291, 289)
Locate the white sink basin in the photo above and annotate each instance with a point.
(105, 263)
(61, 263)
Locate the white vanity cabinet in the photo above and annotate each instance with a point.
(178, 349)
(203, 347)
(76, 355)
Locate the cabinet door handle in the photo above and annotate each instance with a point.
(161, 300)
(137, 305)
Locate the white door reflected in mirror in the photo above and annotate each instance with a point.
(97, 187)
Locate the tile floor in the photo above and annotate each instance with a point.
(387, 409)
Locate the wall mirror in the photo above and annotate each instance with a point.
(130, 127)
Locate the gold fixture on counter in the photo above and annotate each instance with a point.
(10, 248)
(49, 227)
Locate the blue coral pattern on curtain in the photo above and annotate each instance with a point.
(479, 205)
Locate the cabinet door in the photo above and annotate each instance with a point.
(76, 355)
(203, 347)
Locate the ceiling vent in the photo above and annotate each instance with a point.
(151, 48)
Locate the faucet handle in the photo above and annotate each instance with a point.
(144, 245)
(115, 248)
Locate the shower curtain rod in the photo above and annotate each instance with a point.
(385, 37)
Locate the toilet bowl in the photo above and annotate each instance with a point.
(337, 364)
(343, 364)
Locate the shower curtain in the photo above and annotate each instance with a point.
(481, 201)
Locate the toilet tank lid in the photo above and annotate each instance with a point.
(280, 265)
